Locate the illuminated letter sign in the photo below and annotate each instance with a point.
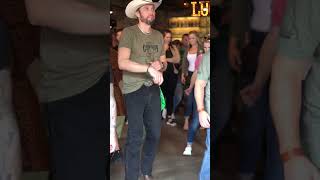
(204, 8)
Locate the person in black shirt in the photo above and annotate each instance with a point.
(170, 75)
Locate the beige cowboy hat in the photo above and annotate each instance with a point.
(134, 5)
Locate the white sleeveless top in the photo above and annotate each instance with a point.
(192, 61)
(261, 17)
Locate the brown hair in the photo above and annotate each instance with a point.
(185, 35)
(198, 39)
(166, 32)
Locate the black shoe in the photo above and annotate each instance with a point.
(115, 156)
(171, 122)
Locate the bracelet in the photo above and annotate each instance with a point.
(148, 69)
(200, 110)
(286, 156)
(162, 66)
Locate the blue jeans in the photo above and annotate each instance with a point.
(205, 167)
(177, 95)
(191, 106)
(223, 85)
(257, 128)
(194, 125)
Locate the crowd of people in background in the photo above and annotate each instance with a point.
(162, 63)
(266, 53)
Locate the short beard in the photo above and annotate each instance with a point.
(145, 20)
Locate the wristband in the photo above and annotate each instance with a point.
(200, 110)
(286, 156)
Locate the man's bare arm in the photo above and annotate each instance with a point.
(267, 54)
(193, 79)
(68, 16)
(126, 64)
(176, 55)
(199, 93)
(286, 97)
(163, 60)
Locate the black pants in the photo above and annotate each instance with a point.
(78, 137)
(168, 88)
(143, 110)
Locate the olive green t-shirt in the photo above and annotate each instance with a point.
(299, 31)
(204, 74)
(145, 48)
(70, 64)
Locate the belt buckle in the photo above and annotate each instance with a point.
(148, 83)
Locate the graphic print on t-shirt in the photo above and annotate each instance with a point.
(150, 49)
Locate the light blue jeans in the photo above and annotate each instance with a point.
(205, 167)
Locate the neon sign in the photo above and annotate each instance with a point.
(200, 8)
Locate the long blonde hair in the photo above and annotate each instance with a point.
(200, 44)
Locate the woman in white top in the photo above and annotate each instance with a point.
(188, 66)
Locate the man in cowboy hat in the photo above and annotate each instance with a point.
(140, 57)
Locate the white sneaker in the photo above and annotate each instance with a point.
(170, 122)
(164, 113)
(187, 151)
(173, 116)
